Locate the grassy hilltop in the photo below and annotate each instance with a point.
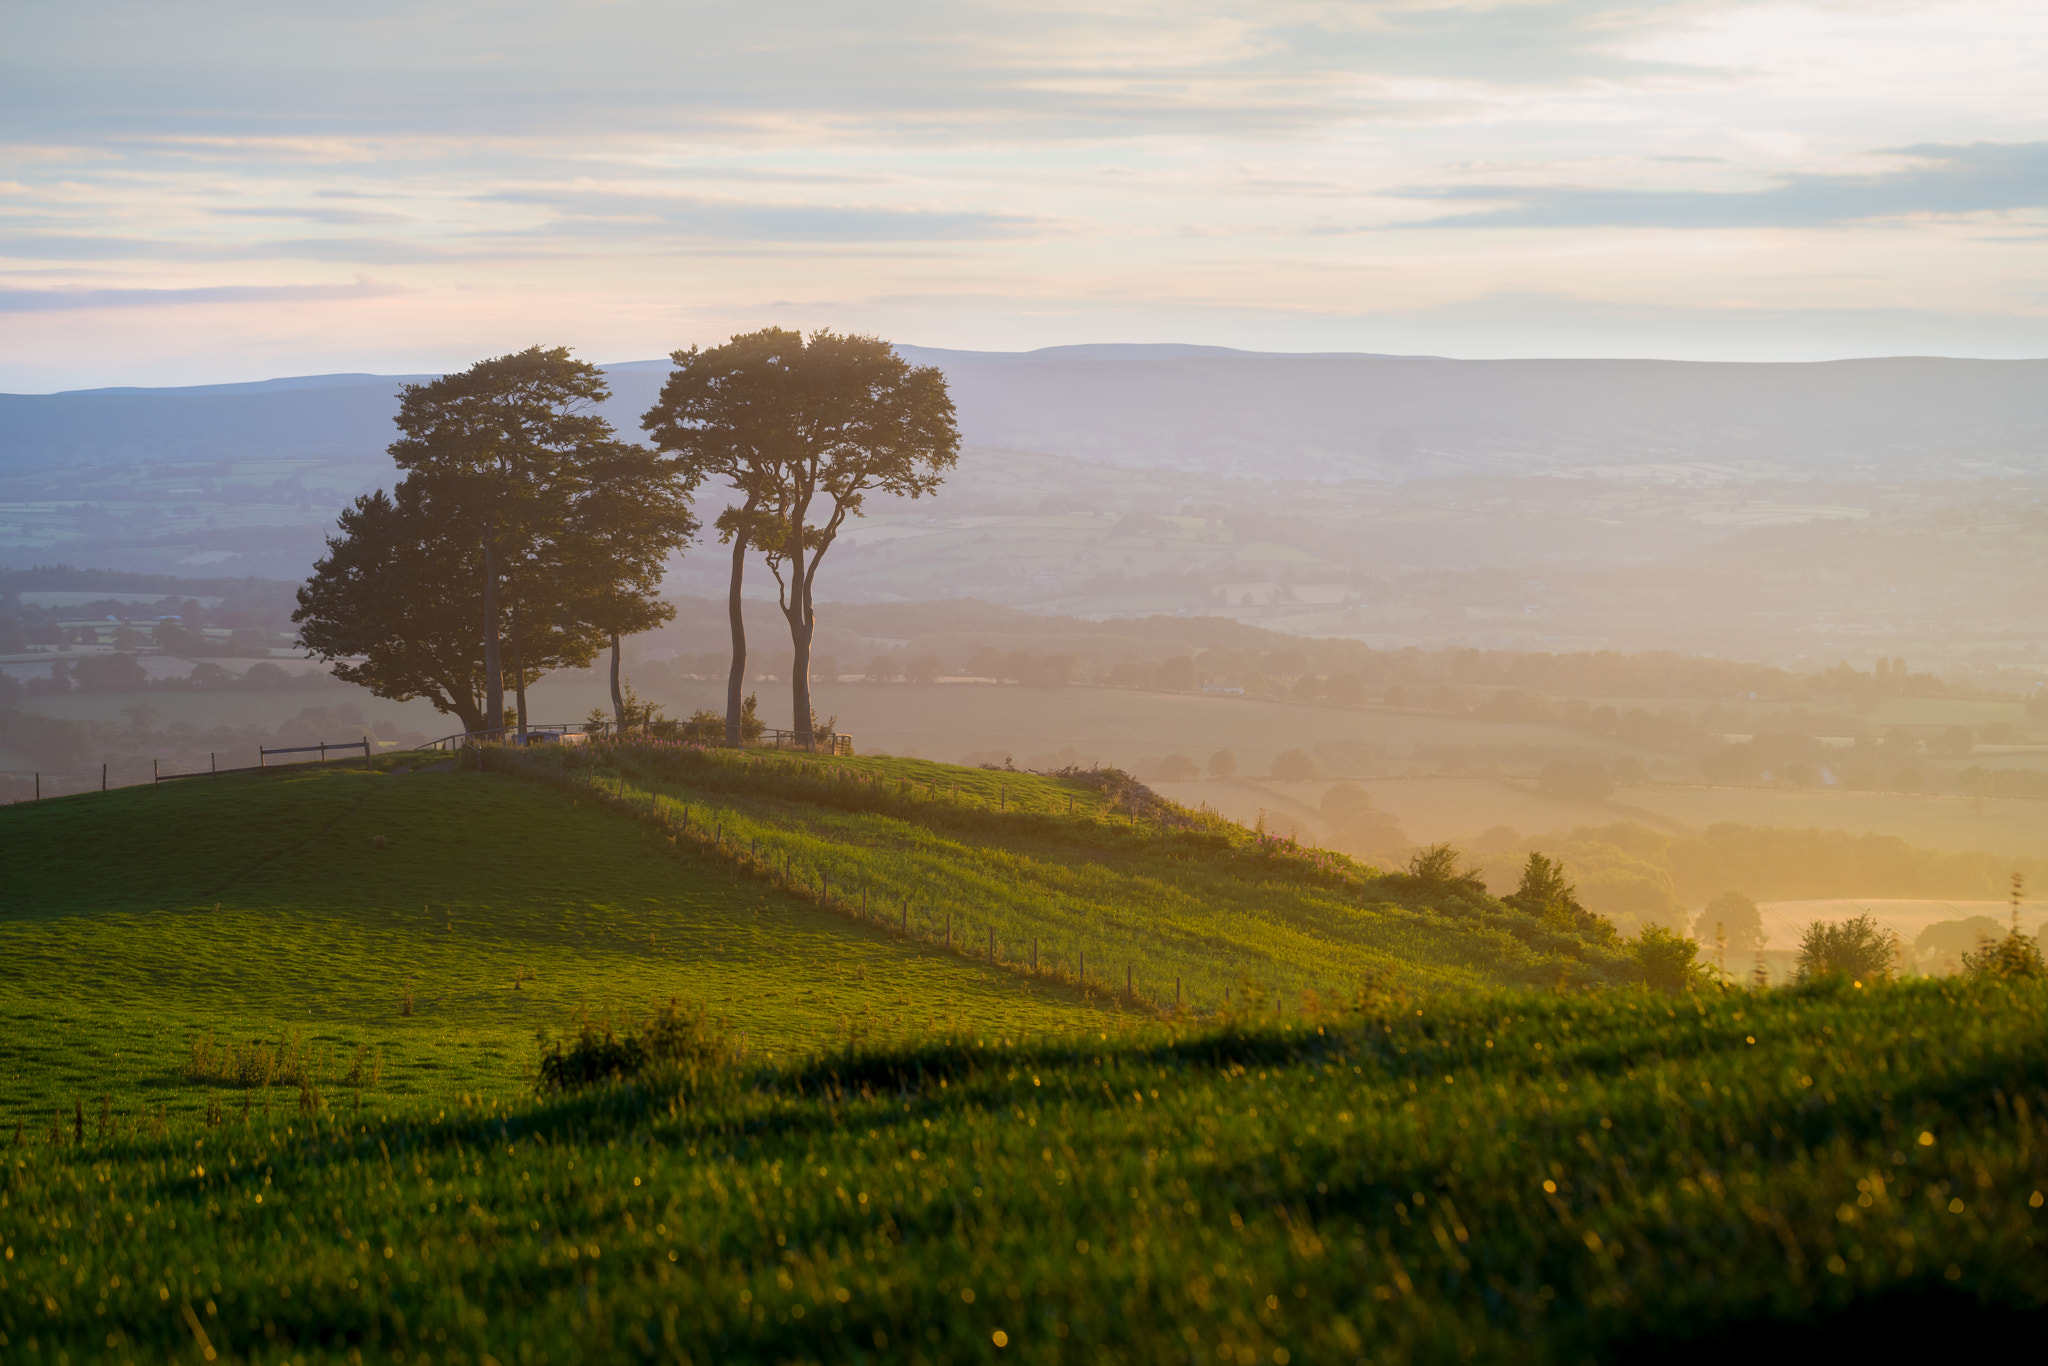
(1474, 1141)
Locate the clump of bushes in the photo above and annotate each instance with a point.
(1859, 949)
(679, 1037)
(2014, 955)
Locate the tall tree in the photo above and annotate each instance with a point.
(867, 421)
(730, 413)
(395, 600)
(632, 510)
(497, 447)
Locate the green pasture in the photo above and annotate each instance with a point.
(1024, 865)
(260, 908)
(1501, 1177)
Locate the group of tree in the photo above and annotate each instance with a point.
(526, 535)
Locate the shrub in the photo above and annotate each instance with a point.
(2014, 955)
(1669, 960)
(1438, 866)
(679, 1036)
(1860, 949)
(1293, 765)
(1737, 917)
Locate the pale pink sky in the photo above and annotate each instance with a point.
(210, 192)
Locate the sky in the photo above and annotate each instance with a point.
(209, 192)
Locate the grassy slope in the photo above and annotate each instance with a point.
(1515, 1178)
(999, 853)
(113, 954)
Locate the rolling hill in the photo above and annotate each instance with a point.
(893, 1149)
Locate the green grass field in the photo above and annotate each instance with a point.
(919, 1156)
(258, 907)
(1518, 1178)
(1020, 864)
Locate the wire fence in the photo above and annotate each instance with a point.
(138, 771)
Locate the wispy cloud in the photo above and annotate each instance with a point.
(628, 175)
(67, 300)
(611, 213)
(1940, 181)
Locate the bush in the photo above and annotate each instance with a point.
(1859, 949)
(1293, 766)
(2014, 955)
(679, 1036)
(1669, 960)
(1736, 916)
(1438, 866)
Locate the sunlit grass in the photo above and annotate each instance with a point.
(1501, 1177)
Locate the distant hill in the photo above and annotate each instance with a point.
(1224, 411)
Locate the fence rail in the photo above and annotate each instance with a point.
(37, 785)
(263, 755)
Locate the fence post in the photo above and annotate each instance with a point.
(1176, 993)
(949, 929)
(212, 761)
(366, 751)
(991, 946)
(39, 786)
(103, 777)
(1034, 955)
(1084, 969)
(1127, 979)
(906, 917)
(155, 771)
(323, 751)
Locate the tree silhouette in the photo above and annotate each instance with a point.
(804, 429)
(494, 449)
(730, 413)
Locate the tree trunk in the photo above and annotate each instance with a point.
(494, 677)
(518, 666)
(736, 680)
(801, 625)
(618, 696)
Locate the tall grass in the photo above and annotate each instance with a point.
(1509, 1176)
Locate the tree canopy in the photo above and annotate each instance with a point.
(518, 503)
(804, 429)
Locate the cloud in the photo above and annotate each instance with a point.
(56, 300)
(82, 246)
(601, 213)
(1939, 181)
(338, 84)
(339, 217)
